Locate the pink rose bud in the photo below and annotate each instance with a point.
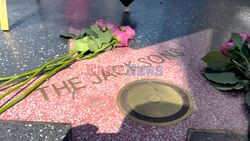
(244, 35)
(101, 23)
(129, 31)
(226, 47)
(122, 37)
(104, 24)
(122, 34)
(229, 45)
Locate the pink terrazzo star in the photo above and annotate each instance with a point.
(88, 102)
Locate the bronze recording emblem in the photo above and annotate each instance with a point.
(155, 102)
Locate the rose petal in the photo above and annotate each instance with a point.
(122, 37)
(229, 45)
(244, 35)
(104, 24)
(129, 31)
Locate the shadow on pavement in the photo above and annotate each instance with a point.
(129, 130)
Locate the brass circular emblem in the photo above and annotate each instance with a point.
(155, 102)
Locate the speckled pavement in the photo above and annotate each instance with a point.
(33, 131)
(171, 34)
(92, 109)
(36, 25)
(215, 135)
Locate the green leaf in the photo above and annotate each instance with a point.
(105, 37)
(247, 98)
(81, 45)
(217, 61)
(93, 46)
(237, 40)
(245, 83)
(245, 51)
(98, 42)
(248, 46)
(234, 53)
(67, 35)
(90, 32)
(227, 87)
(222, 78)
(95, 28)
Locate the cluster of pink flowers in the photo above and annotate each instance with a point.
(229, 44)
(122, 34)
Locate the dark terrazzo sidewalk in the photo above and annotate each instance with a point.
(34, 131)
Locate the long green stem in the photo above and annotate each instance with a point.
(37, 84)
(238, 65)
(31, 72)
(31, 77)
(97, 52)
(50, 74)
(240, 69)
(245, 58)
(243, 73)
(48, 68)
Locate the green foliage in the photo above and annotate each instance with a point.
(95, 28)
(216, 61)
(81, 45)
(102, 36)
(228, 87)
(231, 72)
(245, 51)
(90, 32)
(92, 45)
(92, 39)
(222, 78)
(105, 37)
(237, 40)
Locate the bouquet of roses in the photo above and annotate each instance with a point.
(96, 39)
(229, 68)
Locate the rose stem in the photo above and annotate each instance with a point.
(48, 68)
(97, 52)
(37, 84)
(31, 77)
(47, 76)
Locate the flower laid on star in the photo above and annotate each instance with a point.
(229, 68)
(229, 44)
(122, 34)
(92, 41)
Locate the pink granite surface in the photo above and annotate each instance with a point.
(93, 111)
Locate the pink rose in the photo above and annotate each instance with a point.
(245, 36)
(226, 47)
(104, 24)
(230, 44)
(129, 31)
(122, 34)
(122, 37)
